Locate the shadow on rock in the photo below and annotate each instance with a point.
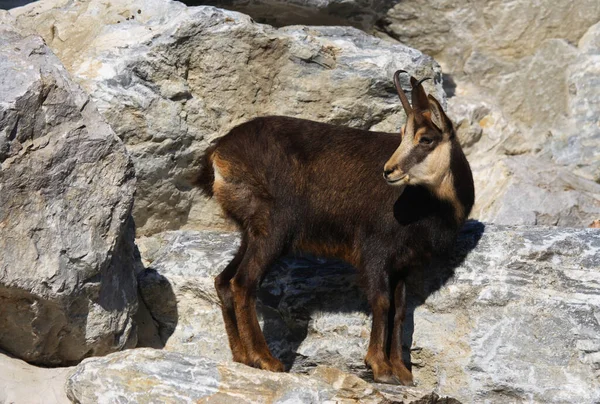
(421, 285)
(303, 292)
(304, 297)
(157, 315)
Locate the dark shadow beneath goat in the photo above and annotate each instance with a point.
(298, 289)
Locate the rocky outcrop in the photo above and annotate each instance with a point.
(513, 316)
(150, 376)
(522, 85)
(67, 286)
(530, 190)
(485, 38)
(523, 81)
(170, 79)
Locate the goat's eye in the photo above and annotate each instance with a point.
(425, 140)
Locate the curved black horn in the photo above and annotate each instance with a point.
(422, 80)
(405, 103)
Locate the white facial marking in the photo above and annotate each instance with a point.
(433, 168)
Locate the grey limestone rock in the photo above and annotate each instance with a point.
(170, 79)
(514, 315)
(151, 376)
(67, 285)
(534, 69)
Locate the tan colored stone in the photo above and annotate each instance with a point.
(171, 79)
(500, 31)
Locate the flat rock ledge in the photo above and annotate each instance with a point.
(149, 376)
(514, 316)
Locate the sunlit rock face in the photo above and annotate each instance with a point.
(67, 284)
(523, 84)
(170, 79)
(149, 376)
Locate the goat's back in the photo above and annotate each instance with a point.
(319, 185)
(310, 165)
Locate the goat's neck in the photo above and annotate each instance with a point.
(446, 191)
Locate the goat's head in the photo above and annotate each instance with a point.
(423, 157)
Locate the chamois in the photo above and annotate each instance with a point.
(295, 185)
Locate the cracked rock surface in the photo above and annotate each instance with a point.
(515, 315)
(150, 376)
(169, 79)
(67, 285)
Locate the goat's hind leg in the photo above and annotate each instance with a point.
(223, 287)
(261, 253)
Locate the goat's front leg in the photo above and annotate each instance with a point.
(378, 293)
(400, 370)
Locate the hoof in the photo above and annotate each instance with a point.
(404, 376)
(270, 364)
(387, 379)
(383, 372)
(406, 380)
(241, 358)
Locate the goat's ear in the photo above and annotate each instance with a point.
(439, 117)
(420, 103)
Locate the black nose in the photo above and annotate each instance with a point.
(386, 173)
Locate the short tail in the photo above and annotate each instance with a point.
(206, 177)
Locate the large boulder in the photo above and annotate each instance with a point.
(529, 190)
(67, 285)
(463, 33)
(512, 316)
(150, 376)
(170, 79)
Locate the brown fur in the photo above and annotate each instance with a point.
(342, 251)
(295, 185)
